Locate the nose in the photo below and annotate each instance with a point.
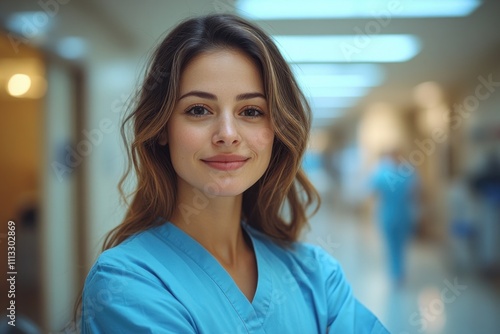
(226, 133)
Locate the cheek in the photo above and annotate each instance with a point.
(182, 140)
(263, 140)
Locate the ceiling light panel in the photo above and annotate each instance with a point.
(345, 9)
(348, 48)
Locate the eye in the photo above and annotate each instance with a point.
(197, 111)
(252, 112)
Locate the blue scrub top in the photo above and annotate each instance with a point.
(397, 192)
(163, 281)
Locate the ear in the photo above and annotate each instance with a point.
(163, 138)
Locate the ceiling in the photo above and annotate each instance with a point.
(455, 51)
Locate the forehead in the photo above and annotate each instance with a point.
(222, 70)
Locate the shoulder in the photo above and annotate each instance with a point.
(127, 289)
(146, 258)
(321, 278)
(136, 254)
(122, 266)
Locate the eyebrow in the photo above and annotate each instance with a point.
(210, 96)
(248, 96)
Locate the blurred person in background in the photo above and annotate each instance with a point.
(396, 186)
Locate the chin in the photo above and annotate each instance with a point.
(224, 190)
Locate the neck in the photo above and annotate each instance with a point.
(212, 221)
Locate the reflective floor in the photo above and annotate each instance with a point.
(434, 298)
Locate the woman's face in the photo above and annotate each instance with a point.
(220, 135)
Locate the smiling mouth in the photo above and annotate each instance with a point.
(226, 164)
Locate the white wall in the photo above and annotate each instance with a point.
(58, 213)
(110, 84)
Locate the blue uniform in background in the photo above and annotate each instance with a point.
(163, 281)
(397, 210)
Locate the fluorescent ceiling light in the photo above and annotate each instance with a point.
(348, 48)
(333, 102)
(327, 9)
(338, 75)
(336, 85)
(29, 24)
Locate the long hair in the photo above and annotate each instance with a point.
(284, 180)
(283, 184)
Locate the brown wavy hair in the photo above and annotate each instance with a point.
(283, 184)
(284, 180)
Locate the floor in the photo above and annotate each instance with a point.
(435, 298)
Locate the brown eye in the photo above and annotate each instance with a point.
(252, 112)
(198, 111)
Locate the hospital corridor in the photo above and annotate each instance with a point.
(398, 130)
(436, 296)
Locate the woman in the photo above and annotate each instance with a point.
(220, 128)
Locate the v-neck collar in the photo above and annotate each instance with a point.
(254, 311)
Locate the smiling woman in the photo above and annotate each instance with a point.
(220, 128)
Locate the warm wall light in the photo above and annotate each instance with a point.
(18, 84)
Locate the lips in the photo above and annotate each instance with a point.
(226, 162)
